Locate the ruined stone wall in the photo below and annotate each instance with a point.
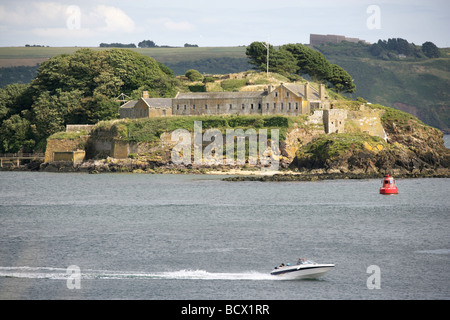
(334, 120)
(367, 120)
(79, 127)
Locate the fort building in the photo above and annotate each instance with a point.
(285, 99)
(318, 39)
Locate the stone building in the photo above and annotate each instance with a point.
(285, 99)
(146, 107)
(334, 120)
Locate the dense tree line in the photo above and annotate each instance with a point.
(18, 74)
(297, 59)
(76, 89)
(117, 45)
(392, 48)
(219, 65)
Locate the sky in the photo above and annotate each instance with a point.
(209, 23)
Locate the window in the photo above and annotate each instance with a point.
(184, 107)
(218, 106)
(296, 105)
(267, 106)
(193, 107)
(274, 105)
(289, 106)
(243, 106)
(251, 106)
(259, 105)
(231, 106)
(178, 107)
(276, 94)
(282, 106)
(287, 93)
(206, 106)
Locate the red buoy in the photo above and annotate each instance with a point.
(388, 185)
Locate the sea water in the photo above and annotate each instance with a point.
(142, 236)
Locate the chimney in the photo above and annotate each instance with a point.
(144, 94)
(306, 90)
(321, 92)
(269, 87)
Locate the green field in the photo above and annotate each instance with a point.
(161, 54)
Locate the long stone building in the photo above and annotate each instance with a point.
(285, 99)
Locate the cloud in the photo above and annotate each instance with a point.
(54, 20)
(115, 19)
(171, 25)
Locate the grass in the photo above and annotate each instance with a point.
(333, 145)
(67, 135)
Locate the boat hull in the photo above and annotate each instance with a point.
(302, 271)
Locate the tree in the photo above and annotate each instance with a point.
(309, 61)
(283, 62)
(341, 80)
(12, 99)
(147, 44)
(194, 75)
(76, 89)
(430, 50)
(257, 54)
(15, 133)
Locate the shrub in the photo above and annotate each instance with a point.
(194, 75)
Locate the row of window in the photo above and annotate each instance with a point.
(230, 106)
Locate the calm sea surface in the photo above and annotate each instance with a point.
(137, 236)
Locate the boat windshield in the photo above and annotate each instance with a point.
(306, 262)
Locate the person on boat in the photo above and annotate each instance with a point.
(300, 261)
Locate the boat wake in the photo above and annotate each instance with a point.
(436, 251)
(61, 274)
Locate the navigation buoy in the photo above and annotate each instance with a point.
(388, 185)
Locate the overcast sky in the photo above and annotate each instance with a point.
(219, 23)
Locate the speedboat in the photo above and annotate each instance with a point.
(305, 269)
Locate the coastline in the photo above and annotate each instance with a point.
(234, 174)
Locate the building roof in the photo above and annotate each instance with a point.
(129, 105)
(299, 90)
(220, 95)
(158, 102)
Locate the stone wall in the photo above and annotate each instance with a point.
(367, 120)
(79, 127)
(72, 156)
(334, 120)
(63, 145)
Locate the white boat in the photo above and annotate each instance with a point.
(305, 269)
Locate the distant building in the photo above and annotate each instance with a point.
(318, 39)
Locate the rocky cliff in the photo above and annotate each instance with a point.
(409, 148)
